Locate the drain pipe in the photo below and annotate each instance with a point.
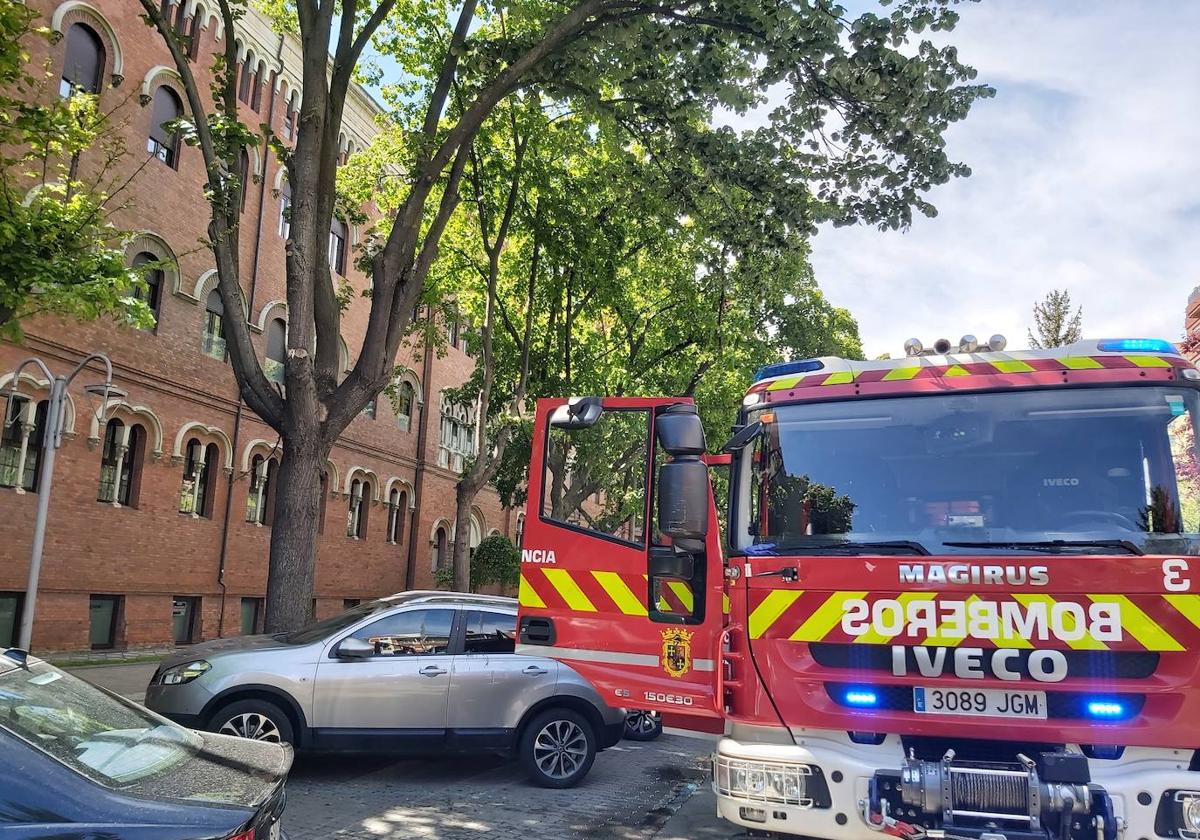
(237, 417)
(419, 476)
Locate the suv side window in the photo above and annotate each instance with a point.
(490, 632)
(410, 633)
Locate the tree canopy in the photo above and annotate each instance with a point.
(59, 253)
(848, 117)
(1055, 325)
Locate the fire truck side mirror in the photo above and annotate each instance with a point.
(578, 413)
(683, 499)
(680, 431)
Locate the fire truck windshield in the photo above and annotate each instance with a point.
(1089, 470)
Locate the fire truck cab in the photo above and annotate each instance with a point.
(951, 595)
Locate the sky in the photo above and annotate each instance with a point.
(1086, 177)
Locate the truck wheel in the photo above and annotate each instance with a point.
(641, 725)
(557, 748)
(259, 720)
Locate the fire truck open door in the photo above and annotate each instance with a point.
(621, 572)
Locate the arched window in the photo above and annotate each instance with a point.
(285, 207)
(457, 436)
(397, 505)
(199, 466)
(84, 62)
(163, 142)
(520, 533)
(276, 350)
(198, 18)
(406, 399)
(246, 80)
(213, 343)
(441, 556)
(356, 520)
(120, 463)
(181, 18)
(244, 176)
(260, 73)
(153, 277)
(337, 246)
(21, 443)
(260, 501)
(289, 117)
(476, 536)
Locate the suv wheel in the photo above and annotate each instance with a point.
(258, 720)
(641, 725)
(557, 748)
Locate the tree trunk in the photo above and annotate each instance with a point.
(294, 535)
(460, 553)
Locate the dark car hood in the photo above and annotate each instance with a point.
(225, 771)
(230, 645)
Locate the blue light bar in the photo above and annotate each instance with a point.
(861, 697)
(1137, 345)
(1106, 709)
(784, 368)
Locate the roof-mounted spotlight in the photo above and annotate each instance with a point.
(997, 343)
(968, 344)
(941, 346)
(913, 347)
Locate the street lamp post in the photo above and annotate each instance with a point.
(55, 413)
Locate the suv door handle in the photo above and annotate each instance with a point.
(534, 671)
(432, 671)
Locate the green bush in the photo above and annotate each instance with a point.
(496, 561)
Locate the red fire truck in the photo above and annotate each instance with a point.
(950, 595)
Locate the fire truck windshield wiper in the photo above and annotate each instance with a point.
(1051, 546)
(855, 547)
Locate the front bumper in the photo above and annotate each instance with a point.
(1136, 783)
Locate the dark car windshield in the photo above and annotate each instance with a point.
(1095, 470)
(109, 740)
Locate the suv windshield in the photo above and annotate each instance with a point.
(1095, 470)
(107, 739)
(328, 626)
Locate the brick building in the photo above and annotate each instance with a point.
(1191, 326)
(160, 518)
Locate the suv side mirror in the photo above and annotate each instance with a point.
(352, 648)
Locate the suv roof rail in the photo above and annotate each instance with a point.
(417, 595)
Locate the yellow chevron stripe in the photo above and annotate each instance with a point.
(1086, 643)
(1079, 362)
(562, 581)
(1149, 361)
(683, 593)
(1012, 366)
(725, 604)
(786, 382)
(842, 377)
(768, 612)
(826, 617)
(901, 373)
(871, 637)
(1187, 605)
(616, 589)
(527, 597)
(956, 370)
(1141, 626)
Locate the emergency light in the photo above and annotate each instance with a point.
(784, 368)
(1136, 345)
(864, 698)
(1106, 709)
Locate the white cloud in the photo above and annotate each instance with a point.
(1086, 177)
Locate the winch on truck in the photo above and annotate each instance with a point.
(956, 594)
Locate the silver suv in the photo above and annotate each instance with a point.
(418, 672)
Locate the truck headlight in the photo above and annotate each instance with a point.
(180, 674)
(1191, 813)
(769, 781)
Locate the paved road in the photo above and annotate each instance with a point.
(632, 793)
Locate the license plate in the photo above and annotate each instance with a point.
(986, 702)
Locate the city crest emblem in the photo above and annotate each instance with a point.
(676, 652)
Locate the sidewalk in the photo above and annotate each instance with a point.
(697, 820)
(127, 680)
